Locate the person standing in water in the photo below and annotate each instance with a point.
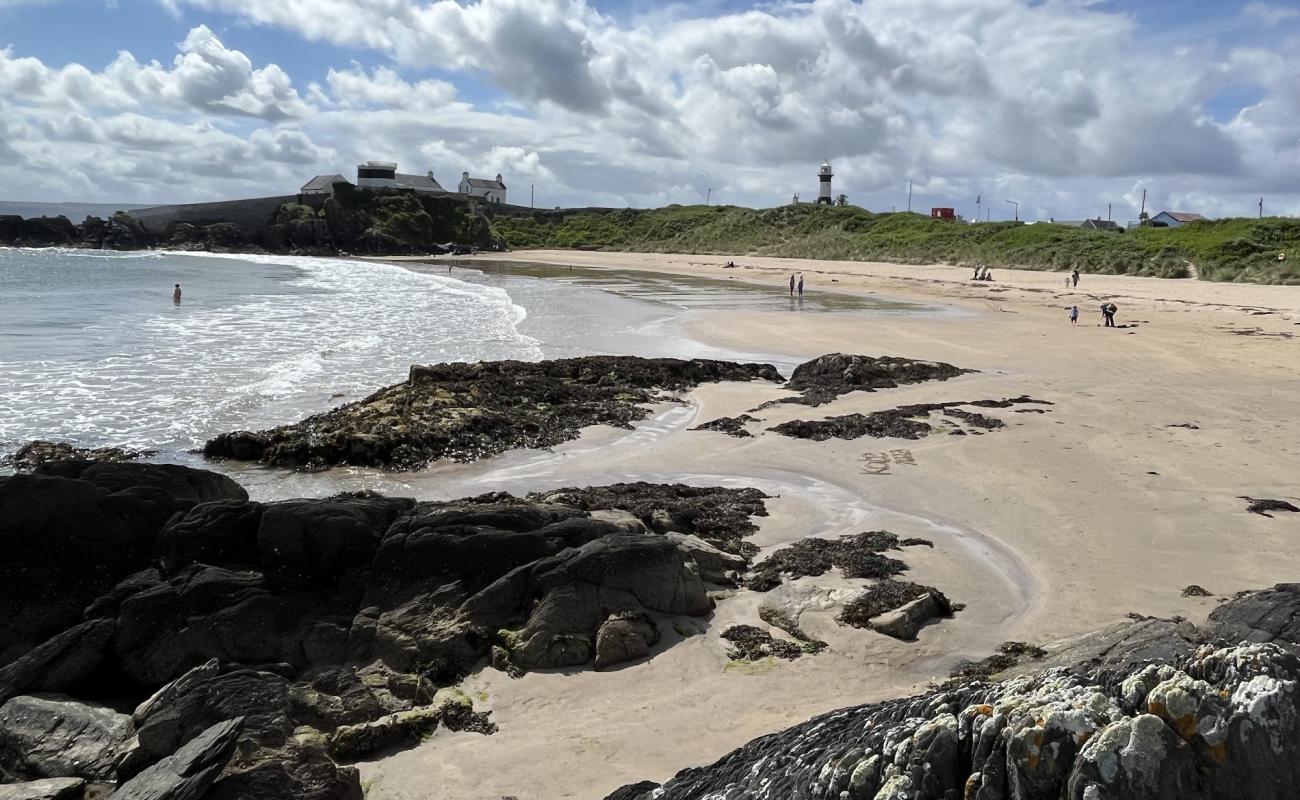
(792, 286)
(801, 284)
(176, 294)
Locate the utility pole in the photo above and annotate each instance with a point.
(978, 198)
(909, 194)
(531, 196)
(1261, 208)
(1142, 215)
(1017, 205)
(709, 197)
(1108, 209)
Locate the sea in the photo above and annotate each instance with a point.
(94, 351)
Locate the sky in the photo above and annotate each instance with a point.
(1070, 108)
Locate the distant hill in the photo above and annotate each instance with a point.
(73, 211)
(1222, 250)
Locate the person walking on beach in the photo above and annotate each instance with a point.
(1074, 316)
(1108, 314)
(176, 294)
(1074, 276)
(801, 284)
(792, 286)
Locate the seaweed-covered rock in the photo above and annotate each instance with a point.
(732, 426)
(889, 595)
(470, 411)
(903, 422)
(750, 643)
(827, 377)
(39, 452)
(857, 556)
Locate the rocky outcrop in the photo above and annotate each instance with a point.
(75, 528)
(1142, 710)
(323, 626)
(721, 517)
(465, 412)
(188, 773)
(732, 426)
(57, 737)
(119, 232)
(827, 377)
(40, 452)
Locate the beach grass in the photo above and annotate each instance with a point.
(1243, 250)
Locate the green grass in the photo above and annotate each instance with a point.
(1224, 250)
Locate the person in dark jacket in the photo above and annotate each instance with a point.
(1108, 314)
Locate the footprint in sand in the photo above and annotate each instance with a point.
(875, 463)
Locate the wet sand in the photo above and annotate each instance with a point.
(1059, 523)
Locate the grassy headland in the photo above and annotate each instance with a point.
(1222, 250)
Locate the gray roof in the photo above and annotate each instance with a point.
(418, 182)
(1101, 224)
(480, 183)
(1181, 216)
(321, 183)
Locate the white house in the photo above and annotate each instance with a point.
(492, 191)
(1174, 219)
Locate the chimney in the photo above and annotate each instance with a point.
(498, 177)
(430, 174)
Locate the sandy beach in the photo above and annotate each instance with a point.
(1123, 493)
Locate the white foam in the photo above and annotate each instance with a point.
(184, 373)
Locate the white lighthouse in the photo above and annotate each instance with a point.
(824, 175)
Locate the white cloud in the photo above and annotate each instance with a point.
(1063, 103)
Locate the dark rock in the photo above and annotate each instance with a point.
(271, 759)
(60, 664)
(577, 591)
(345, 695)
(45, 789)
(1262, 507)
(470, 411)
(715, 565)
(633, 791)
(827, 377)
(719, 516)
(1196, 591)
(41, 231)
(732, 426)
(185, 485)
(40, 452)
(887, 595)
(221, 533)
(974, 419)
(188, 773)
(625, 637)
(51, 736)
(907, 620)
(857, 556)
(1271, 615)
(749, 643)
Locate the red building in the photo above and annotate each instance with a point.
(943, 213)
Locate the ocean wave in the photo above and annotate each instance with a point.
(283, 347)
